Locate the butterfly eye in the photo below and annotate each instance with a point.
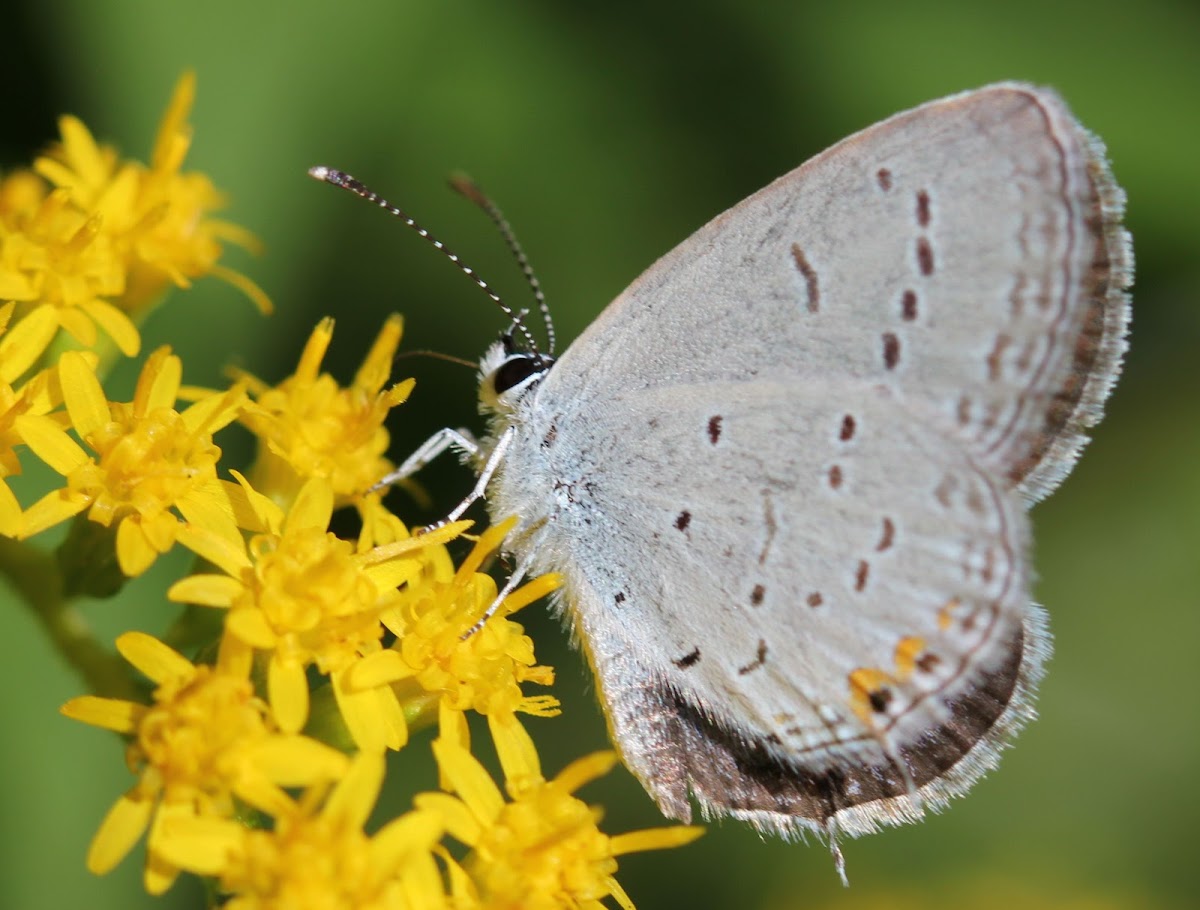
(516, 369)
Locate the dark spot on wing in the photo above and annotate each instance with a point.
(848, 427)
(922, 208)
(891, 350)
(880, 699)
(804, 267)
(924, 256)
(714, 428)
(760, 658)
(889, 534)
(928, 662)
(860, 575)
(688, 659)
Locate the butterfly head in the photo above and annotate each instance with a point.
(507, 375)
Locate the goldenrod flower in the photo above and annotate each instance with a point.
(542, 847)
(150, 460)
(483, 672)
(38, 396)
(317, 855)
(54, 257)
(157, 217)
(205, 743)
(100, 243)
(309, 426)
(308, 598)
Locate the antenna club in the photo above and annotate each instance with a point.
(337, 178)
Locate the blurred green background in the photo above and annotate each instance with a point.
(609, 132)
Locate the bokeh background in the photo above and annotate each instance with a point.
(609, 132)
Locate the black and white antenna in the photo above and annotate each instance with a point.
(472, 192)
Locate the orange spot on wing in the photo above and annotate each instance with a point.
(907, 652)
(946, 614)
(865, 682)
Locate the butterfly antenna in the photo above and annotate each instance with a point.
(435, 355)
(470, 190)
(358, 188)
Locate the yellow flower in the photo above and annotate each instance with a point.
(150, 459)
(54, 257)
(317, 857)
(309, 426)
(309, 598)
(482, 673)
(158, 217)
(541, 847)
(39, 395)
(205, 743)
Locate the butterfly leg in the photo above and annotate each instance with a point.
(430, 449)
(485, 475)
(517, 576)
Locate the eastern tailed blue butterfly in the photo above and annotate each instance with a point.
(785, 474)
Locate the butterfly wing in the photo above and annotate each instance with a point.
(968, 253)
(833, 621)
(784, 473)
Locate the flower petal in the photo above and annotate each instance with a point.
(122, 827)
(253, 510)
(249, 624)
(654, 839)
(135, 554)
(54, 507)
(518, 755)
(309, 365)
(377, 365)
(205, 590)
(412, 832)
(158, 382)
(287, 690)
(200, 845)
(110, 713)
(116, 324)
(470, 780)
(378, 669)
(312, 507)
(156, 660)
(585, 770)
(227, 552)
(373, 717)
(460, 822)
(25, 342)
(83, 395)
(352, 800)
(50, 443)
(291, 760)
(10, 512)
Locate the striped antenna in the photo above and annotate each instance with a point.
(358, 188)
(471, 191)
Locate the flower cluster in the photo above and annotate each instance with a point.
(257, 760)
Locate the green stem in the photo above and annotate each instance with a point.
(36, 577)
